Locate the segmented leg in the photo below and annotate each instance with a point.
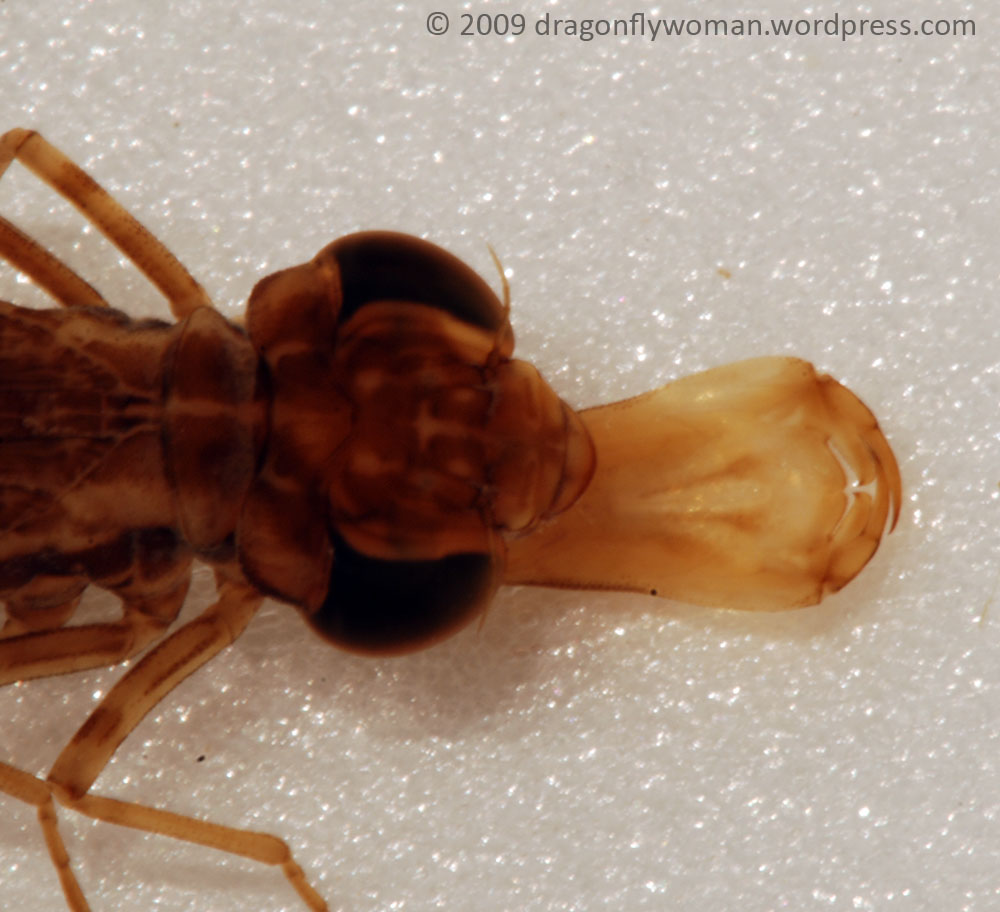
(60, 650)
(35, 641)
(45, 606)
(52, 652)
(30, 790)
(45, 270)
(86, 755)
(150, 256)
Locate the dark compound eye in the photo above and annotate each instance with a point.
(388, 606)
(388, 266)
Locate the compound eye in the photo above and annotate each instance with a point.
(387, 266)
(387, 607)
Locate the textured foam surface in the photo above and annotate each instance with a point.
(660, 207)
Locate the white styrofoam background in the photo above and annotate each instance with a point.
(579, 751)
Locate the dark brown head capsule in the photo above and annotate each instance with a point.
(404, 447)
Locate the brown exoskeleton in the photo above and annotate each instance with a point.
(366, 450)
